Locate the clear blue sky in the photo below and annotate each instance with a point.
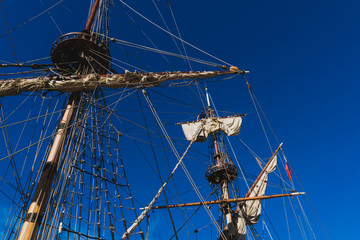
(303, 58)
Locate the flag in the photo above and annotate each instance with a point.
(288, 171)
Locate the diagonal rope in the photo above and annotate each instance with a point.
(178, 32)
(173, 34)
(12, 160)
(256, 102)
(167, 27)
(141, 217)
(157, 164)
(143, 32)
(180, 160)
(197, 209)
(8, 31)
(53, 20)
(157, 50)
(33, 18)
(257, 112)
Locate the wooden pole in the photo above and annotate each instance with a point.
(229, 200)
(92, 15)
(262, 172)
(73, 83)
(220, 162)
(258, 178)
(39, 201)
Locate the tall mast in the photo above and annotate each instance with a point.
(222, 173)
(80, 53)
(211, 114)
(92, 16)
(33, 218)
(39, 201)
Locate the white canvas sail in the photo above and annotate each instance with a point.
(252, 209)
(249, 212)
(229, 125)
(236, 230)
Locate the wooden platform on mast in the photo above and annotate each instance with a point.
(216, 174)
(80, 53)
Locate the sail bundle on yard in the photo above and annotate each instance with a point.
(248, 213)
(229, 125)
(252, 209)
(94, 81)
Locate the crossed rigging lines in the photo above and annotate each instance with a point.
(88, 197)
(108, 111)
(129, 45)
(156, 49)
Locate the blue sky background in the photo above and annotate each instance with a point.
(303, 58)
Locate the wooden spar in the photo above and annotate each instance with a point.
(38, 204)
(262, 172)
(92, 15)
(258, 178)
(92, 81)
(229, 200)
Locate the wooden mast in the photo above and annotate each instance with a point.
(92, 15)
(219, 161)
(39, 201)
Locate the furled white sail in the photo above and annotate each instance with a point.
(252, 209)
(92, 81)
(249, 212)
(235, 230)
(229, 125)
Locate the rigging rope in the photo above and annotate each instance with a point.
(52, 19)
(197, 209)
(11, 158)
(180, 159)
(257, 112)
(236, 159)
(143, 32)
(256, 103)
(156, 164)
(33, 18)
(8, 32)
(104, 166)
(130, 230)
(173, 182)
(173, 34)
(167, 27)
(157, 50)
(178, 31)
